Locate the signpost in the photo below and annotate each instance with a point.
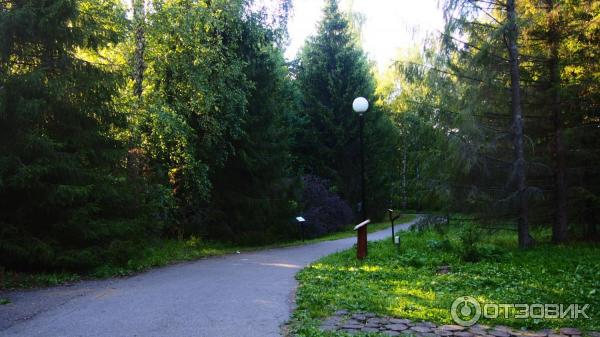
(301, 221)
(392, 219)
(395, 239)
(361, 244)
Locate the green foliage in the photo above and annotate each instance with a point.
(428, 162)
(215, 117)
(443, 244)
(18, 280)
(253, 189)
(469, 236)
(126, 259)
(91, 168)
(406, 283)
(161, 253)
(194, 95)
(64, 194)
(454, 114)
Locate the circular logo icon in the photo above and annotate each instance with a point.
(465, 310)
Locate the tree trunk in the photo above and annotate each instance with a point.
(139, 66)
(525, 240)
(559, 229)
(135, 155)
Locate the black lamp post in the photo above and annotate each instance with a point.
(361, 105)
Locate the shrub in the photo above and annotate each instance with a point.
(469, 237)
(491, 252)
(442, 245)
(325, 211)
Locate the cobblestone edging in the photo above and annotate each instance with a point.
(363, 323)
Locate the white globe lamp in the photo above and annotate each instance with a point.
(360, 105)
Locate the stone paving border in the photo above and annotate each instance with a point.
(369, 323)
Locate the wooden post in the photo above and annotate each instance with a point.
(361, 244)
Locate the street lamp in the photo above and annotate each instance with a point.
(361, 105)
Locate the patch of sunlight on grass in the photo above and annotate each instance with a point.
(321, 266)
(370, 269)
(421, 313)
(415, 292)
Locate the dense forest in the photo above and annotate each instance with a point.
(500, 115)
(124, 122)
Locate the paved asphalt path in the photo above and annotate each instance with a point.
(239, 295)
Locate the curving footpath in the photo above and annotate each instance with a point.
(241, 295)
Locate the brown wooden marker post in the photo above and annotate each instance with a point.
(361, 244)
(361, 251)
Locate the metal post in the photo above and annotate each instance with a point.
(301, 221)
(362, 168)
(404, 194)
(391, 213)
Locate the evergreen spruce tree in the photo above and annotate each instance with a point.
(253, 190)
(64, 203)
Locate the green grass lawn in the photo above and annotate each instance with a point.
(161, 253)
(153, 254)
(406, 283)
